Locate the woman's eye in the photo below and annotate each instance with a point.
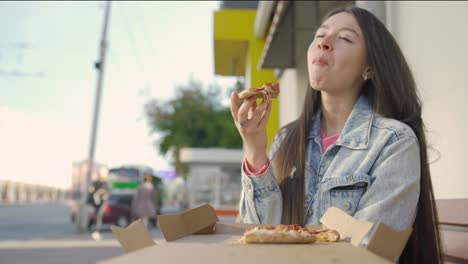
(346, 39)
(319, 36)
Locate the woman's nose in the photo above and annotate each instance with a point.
(324, 45)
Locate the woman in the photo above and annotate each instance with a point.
(358, 144)
(145, 203)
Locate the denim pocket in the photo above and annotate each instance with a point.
(346, 192)
(347, 198)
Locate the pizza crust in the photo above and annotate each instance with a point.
(262, 235)
(328, 236)
(249, 93)
(266, 91)
(288, 234)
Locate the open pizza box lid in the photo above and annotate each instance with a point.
(196, 236)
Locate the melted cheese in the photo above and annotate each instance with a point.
(289, 233)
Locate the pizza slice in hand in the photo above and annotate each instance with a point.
(266, 91)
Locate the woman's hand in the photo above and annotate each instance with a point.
(251, 121)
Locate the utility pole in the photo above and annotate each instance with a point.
(82, 218)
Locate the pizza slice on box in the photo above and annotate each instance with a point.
(288, 234)
(326, 235)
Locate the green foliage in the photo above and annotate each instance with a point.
(194, 118)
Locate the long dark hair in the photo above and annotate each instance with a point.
(392, 92)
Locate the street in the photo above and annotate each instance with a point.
(34, 221)
(43, 233)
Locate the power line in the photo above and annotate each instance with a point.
(16, 50)
(132, 39)
(148, 40)
(15, 73)
(145, 90)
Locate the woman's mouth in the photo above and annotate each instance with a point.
(320, 62)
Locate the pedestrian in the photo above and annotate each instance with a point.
(358, 144)
(145, 202)
(99, 194)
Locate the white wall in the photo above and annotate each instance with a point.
(288, 97)
(434, 39)
(293, 83)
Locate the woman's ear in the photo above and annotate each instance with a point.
(367, 74)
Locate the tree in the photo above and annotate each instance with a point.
(194, 118)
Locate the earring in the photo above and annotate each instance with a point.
(364, 77)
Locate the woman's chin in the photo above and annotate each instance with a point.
(316, 84)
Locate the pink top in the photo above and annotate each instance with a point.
(326, 142)
(246, 166)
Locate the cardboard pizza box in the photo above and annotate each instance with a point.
(196, 236)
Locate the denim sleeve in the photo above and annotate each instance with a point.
(261, 201)
(393, 195)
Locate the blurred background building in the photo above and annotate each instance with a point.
(213, 178)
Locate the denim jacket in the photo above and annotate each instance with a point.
(372, 173)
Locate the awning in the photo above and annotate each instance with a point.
(278, 49)
(292, 30)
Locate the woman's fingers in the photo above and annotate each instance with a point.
(243, 113)
(257, 114)
(249, 114)
(252, 109)
(234, 105)
(265, 115)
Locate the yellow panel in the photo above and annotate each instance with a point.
(234, 40)
(233, 28)
(234, 24)
(259, 77)
(230, 57)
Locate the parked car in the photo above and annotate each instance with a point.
(130, 177)
(123, 183)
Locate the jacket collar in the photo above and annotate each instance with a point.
(356, 132)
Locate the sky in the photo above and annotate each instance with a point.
(48, 81)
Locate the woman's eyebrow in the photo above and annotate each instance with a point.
(341, 29)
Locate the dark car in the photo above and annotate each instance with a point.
(116, 212)
(123, 182)
(130, 177)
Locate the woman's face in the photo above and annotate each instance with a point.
(336, 58)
